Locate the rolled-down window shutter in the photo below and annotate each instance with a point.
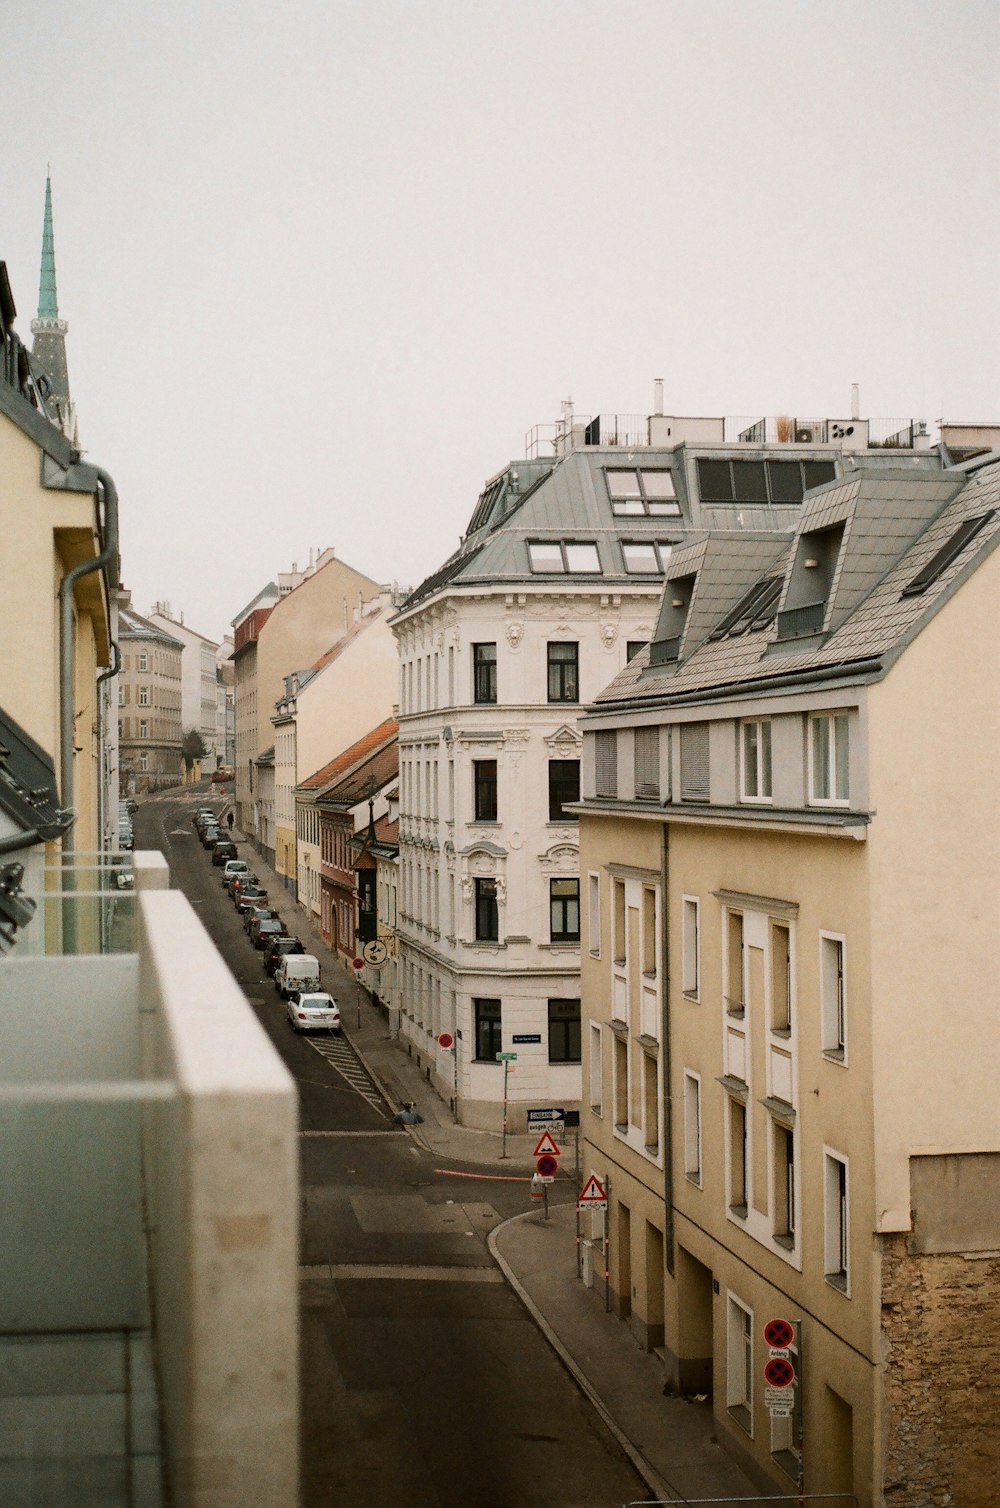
(647, 764)
(606, 759)
(694, 762)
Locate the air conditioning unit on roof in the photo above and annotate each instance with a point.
(810, 431)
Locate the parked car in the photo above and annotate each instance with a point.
(266, 931)
(223, 851)
(295, 972)
(240, 881)
(250, 896)
(257, 914)
(232, 867)
(276, 950)
(125, 838)
(209, 835)
(313, 1010)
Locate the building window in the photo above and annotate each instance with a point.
(144, 762)
(692, 947)
(121, 695)
(564, 1031)
(646, 557)
(142, 661)
(489, 1039)
(644, 492)
(761, 481)
(737, 1157)
(647, 764)
(735, 964)
(836, 1246)
(781, 979)
(618, 939)
(692, 1127)
(783, 1149)
(484, 672)
(143, 728)
(649, 931)
(143, 696)
(694, 762)
(563, 557)
(632, 648)
(563, 666)
(595, 1073)
(606, 764)
(564, 787)
(829, 780)
(564, 910)
(739, 1363)
(620, 1085)
(487, 915)
(485, 785)
(594, 913)
(833, 997)
(755, 761)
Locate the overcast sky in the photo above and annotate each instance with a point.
(325, 262)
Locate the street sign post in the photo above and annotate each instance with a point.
(547, 1166)
(545, 1145)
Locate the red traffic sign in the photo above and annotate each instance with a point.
(779, 1333)
(547, 1165)
(359, 963)
(593, 1192)
(779, 1372)
(446, 1040)
(546, 1146)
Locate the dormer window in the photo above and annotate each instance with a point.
(810, 583)
(642, 492)
(645, 558)
(666, 645)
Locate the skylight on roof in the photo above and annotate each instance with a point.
(755, 609)
(948, 552)
(642, 491)
(643, 557)
(564, 557)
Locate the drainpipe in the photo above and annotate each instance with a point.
(105, 675)
(66, 643)
(668, 1140)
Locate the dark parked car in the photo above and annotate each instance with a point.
(261, 933)
(276, 950)
(238, 882)
(222, 850)
(255, 914)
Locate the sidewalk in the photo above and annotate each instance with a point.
(670, 1441)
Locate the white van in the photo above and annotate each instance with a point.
(295, 972)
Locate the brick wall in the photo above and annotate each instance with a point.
(941, 1344)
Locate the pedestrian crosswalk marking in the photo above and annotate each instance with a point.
(339, 1053)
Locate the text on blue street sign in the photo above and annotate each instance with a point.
(528, 1037)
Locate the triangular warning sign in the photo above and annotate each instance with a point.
(593, 1191)
(546, 1145)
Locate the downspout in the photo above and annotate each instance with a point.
(668, 1140)
(66, 643)
(105, 675)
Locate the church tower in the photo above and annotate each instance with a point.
(48, 350)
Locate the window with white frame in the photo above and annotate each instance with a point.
(755, 760)
(836, 1229)
(646, 491)
(564, 557)
(144, 761)
(594, 1070)
(121, 695)
(833, 996)
(692, 946)
(829, 759)
(143, 728)
(645, 557)
(783, 1184)
(143, 661)
(692, 1127)
(594, 913)
(739, 1362)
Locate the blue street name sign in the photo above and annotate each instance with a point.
(528, 1037)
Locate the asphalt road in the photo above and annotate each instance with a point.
(424, 1382)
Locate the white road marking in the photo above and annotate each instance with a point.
(341, 1055)
(334, 1270)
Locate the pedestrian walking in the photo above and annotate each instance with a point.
(229, 820)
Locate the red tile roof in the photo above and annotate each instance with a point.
(359, 751)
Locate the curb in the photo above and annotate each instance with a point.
(655, 1484)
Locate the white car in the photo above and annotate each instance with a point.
(313, 1010)
(234, 866)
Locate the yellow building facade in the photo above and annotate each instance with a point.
(790, 850)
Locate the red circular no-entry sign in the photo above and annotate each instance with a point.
(779, 1372)
(446, 1040)
(779, 1333)
(547, 1165)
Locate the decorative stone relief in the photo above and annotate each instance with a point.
(514, 633)
(609, 634)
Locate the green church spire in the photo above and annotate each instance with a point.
(48, 306)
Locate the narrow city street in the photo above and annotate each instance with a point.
(424, 1381)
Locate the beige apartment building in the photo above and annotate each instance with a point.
(286, 626)
(149, 703)
(790, 845)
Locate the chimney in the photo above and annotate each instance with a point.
(855, 401)
(657, 395)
